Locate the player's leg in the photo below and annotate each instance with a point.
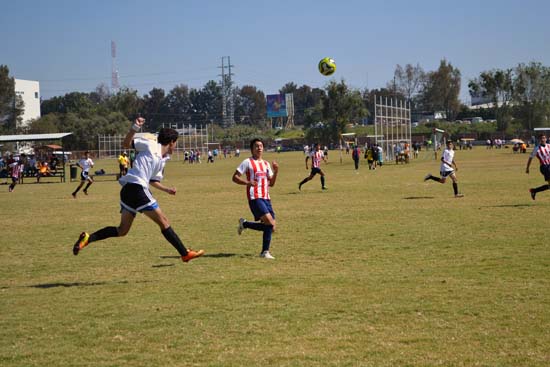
(157, 216)
(308, 178)
(429, 176)
(90, 182)
(323, 186)
(455, 186)
(126, 220)
(545, 171)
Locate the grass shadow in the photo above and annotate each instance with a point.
(66, 285)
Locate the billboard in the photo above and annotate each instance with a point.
(276, 105)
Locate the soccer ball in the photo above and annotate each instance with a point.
(327, 66)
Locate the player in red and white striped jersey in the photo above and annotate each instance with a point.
(258, 176)
(316, 156)
(542, 152)
(16, 169)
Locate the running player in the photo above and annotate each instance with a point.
(16, 170)
(448, 169)
(85, 164)
(316, 156)
(542, 152)
(258, 176)
(135, 196)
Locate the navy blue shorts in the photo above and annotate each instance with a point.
(260, 207)
(545, 170)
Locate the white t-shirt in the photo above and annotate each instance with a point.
(148, 165)
(448, 156)
(86, 164)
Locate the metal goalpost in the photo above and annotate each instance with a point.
(392, 124)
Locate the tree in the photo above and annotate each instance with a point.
(342, 106)
(408, 80)
(154, 108)
(498, 86)
(11, 106)
(250, 106)
(532, 93)
(441, 90)
(178, 105)
(127, 102)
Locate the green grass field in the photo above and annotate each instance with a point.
(380, 270)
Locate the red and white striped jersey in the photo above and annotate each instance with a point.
(259, 171)
(543, 153)
(316, 158)
(16, 168)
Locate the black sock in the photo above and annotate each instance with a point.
(455, 188)
(257, 226)
(436, 179)
(323, 181)
(77, 190)
(303, 181)
(267, 238)
(174, 240)
(88, 185)
(103, 233)
(541, 188)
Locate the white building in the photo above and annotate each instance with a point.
(29, 90)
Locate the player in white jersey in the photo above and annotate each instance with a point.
(135, 196)
(258, 176)
(316, 156)
(542, 152)
(448, 169)
(85, 164)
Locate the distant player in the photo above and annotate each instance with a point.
(135, 196)
(542, 152)
(85, 164)
(16, 170)
(448, 169)
(258, 176)
(316, 156)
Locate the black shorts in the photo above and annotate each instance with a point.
(445, 174)
(135, 198)
(84, 176)
(314, 171)
(545, 171)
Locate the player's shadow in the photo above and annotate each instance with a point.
(220, 255)
(66, 285)
(418, 197)
(508, 206)
(79, 284)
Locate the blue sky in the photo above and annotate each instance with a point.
(66, 45)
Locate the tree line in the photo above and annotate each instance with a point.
(521, 97)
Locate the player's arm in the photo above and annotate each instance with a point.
(157, 185)
(307, 159)
(136, 126)
(454, 164)
(528, 164)
(240, 180)
(272, 179)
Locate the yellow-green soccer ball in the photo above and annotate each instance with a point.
(327, 66)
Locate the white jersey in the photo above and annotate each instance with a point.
(86, 164)
(260, 172)
(448, 156)
(148, 164)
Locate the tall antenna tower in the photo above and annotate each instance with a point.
(114, 72)
(228, 100)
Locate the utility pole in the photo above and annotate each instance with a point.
(228, 101)
(114, 71)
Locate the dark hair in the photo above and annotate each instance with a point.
(541, 135)
(167, 135)
(254, 141)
